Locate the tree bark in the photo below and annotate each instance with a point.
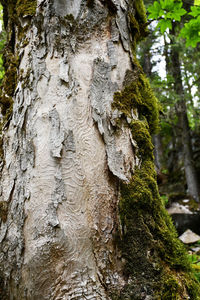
(68, 164)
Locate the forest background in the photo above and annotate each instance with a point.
(170, 57)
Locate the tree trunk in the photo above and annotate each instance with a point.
(158, 152)
(81, 217)
(181, 110)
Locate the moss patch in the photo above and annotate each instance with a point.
(140, 133)
(26, 7)
(138, 95)
(3, 210)
(137, 21)
(9, 83)
(13, 10)
(155, 258)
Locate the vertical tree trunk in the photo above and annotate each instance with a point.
(75, 222)
(181, 110)
(158, 152)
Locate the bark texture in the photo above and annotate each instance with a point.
(65, 155)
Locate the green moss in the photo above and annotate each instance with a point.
(171, 250)
(141, 194)
(138, 94)
(13, 10)
(149, 241)
(9, 82)
(135, 30)
(6, 105)
(26, 7)
(180, 287)
(191, 286)
(140, 12)
(171, 289)
(140, 133)
(153, 254)
(3, 210)
(137, 22)
(18, 8)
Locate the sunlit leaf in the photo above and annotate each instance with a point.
(196, 2)
(154, 10)
(195, 11)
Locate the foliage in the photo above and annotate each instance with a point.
(190, 31)
(168, 11)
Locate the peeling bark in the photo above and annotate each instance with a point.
(64, 155)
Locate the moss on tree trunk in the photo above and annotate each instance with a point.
(156, 263)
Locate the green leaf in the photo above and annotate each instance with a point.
(154, 10)
(167, 9)
(195, 11)
(176, 14)
(190, 32)
(167, 4)
(164, 24)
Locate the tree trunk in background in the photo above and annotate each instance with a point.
(173, 159)
(158, 152)
(69, 168)
(181, 110)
